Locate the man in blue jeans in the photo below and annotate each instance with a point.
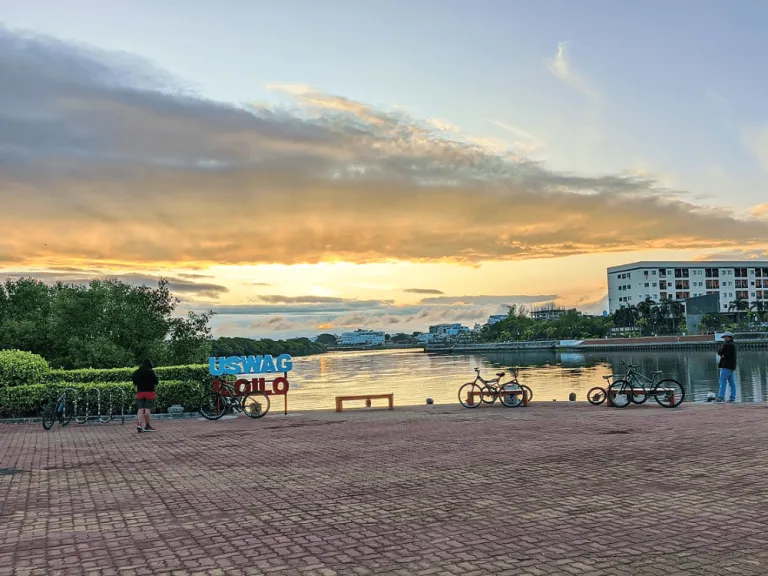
(727, 367)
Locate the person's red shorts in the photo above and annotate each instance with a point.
(145, 400)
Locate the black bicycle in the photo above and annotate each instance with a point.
(62, 409)
(668, 393)
(215, 404)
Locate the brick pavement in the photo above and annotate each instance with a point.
(549, 489)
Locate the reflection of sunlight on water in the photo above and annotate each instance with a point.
(414, 376)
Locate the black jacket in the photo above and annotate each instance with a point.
(728, 356)
(145, 379)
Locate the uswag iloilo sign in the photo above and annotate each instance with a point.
(249, 364)
(241, 365)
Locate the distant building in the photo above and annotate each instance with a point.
(630, 284)
(425, 338)
(496, 318)
(443, 330)
(696, 307)
(547, 312)
(362, 338)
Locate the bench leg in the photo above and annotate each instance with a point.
(391, 401)
(338, 405)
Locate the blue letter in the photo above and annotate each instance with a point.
(251, 364)
(212, 366)
(269, 364)
(284, 363)
(232, 365)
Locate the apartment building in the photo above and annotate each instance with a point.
(630, 284)
(362, 338)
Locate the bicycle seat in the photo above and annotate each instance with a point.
(657, 372)
(500, 374)
(477, 370)
(608, 377)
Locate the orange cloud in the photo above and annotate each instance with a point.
(108, 167)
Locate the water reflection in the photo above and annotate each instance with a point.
(414, 376)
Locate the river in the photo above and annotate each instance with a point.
(414, 376)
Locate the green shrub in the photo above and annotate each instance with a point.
(194, 372)
(29, 401)
(18, 368)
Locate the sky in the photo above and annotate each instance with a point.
(303, 167)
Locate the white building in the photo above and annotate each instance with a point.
(442, 330)
(496, 318)
(630, 284)
(362, 338)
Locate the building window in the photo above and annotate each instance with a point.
(662, 273)
(741, 273)
(646, 285)
(653, 272)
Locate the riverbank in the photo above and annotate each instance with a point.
(380, 492)
(695, 342)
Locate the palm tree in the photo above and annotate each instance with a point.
(759, 307)
(738, 306)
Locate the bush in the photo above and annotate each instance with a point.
(29, 401)
(19, 368)
(193, 372)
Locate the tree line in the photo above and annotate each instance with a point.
(112, 324)
(520, 326)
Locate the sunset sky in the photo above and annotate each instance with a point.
(304, 166)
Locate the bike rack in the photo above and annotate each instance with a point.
(111, 399)
(113, 409)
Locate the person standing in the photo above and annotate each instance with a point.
(727, 367)
(145, 380)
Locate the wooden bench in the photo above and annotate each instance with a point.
(369, 397)
(471, 395)
(609, 393)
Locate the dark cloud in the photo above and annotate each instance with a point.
(486, 300)
(83, 278)
(423, 291)
(104, 143)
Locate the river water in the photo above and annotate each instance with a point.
(413, 376)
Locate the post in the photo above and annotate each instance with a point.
(285, 397)
(392, 401)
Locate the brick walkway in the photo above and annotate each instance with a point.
(549, 489)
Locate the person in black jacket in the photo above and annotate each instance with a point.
(727, 367)
(145, 380)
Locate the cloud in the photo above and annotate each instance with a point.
(561, 67)
(108, 162)
(759, 211)
(727, 255)
(84, 277)
(755, 140)
(530, 143)
(423, 291)
(486, 300)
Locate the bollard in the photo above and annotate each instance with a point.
(430, 401)
(572, 397)
(368, 403)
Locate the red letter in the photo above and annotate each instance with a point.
(280, 385)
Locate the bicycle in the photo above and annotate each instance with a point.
(215, 404)
(598, 394)
(61, 409)
(668, 393)
(490, 390)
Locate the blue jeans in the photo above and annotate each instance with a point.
(726, 376)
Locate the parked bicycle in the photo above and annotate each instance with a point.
(488, 391)
(668, 392)
(598, 394)
(62, 409)
(215, 404)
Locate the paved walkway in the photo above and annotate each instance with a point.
(549, 489)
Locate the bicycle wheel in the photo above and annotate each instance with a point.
(673, 393)
(596, 396)
(490, 393)
(256, 404)
(528, 391)
(512, 400)
(639, 393)
(67, 412)
(470, 395)
(620, 393)
(49, 415)
(214, 406)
